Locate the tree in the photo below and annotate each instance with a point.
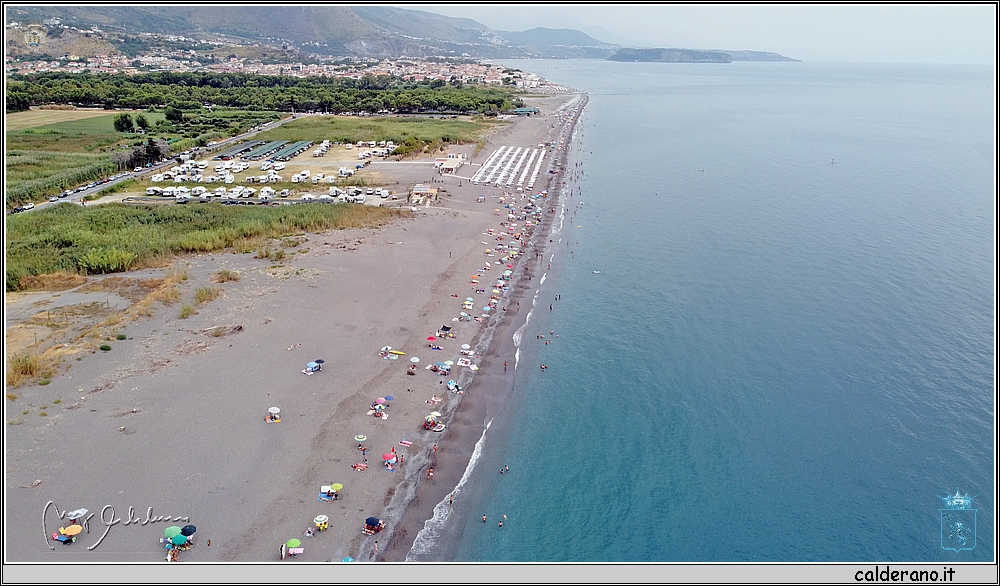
(141, 122)
(123, 123)
(173, 114)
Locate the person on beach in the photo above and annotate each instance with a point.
(484, 518)
(505, 366)
(435, 448)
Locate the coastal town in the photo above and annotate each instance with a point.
(461, 69)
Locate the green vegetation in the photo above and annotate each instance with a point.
(186, 311)
(185, 91)
(117, 237)
(121, 337)
(105, 348)
(44, 160)
(407, 131)
(206, 294)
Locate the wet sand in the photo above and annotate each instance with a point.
(173, 417)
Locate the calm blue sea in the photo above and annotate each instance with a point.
(789, 352)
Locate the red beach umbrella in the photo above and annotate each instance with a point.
(431, 338)
(388, 457)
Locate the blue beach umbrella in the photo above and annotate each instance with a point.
(389, 398)
(347, 559)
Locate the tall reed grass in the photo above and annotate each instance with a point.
(116, 237)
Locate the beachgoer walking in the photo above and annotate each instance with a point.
(435, 448)
(376, 547)
(451, 499)
(505, 366)
(550, 307)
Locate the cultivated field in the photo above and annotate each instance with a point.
(35, 117)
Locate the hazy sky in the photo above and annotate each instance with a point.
(963, 33)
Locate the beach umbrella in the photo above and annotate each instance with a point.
(312, 365)
(319, 361)
(293, 543)
(388, 457)
(414, 360)
(274, 410)
(372, 521)
(360, 438)
(380, 400)
(76, 514)
(487, 308)
(429, 419)
(385, 348)
(469, 299)
(510, 266)
(188, 530)
(390, 398)
(431, 338)
(435, 414)
(73, 530)
(336, 486)
(347, 559)
(465, 346)
(321, 518)
(496, 290)
(178, 539)
(448, 362)
(171, 531)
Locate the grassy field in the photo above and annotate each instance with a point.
(44, 159)
(396, 129)
(35, 117)
(84, 135)
(116, 237)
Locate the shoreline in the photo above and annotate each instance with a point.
(171, 417)
(493, 383)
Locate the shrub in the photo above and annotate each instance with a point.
(105, 348)
(186, 311)
(206, 294)
(121, 336)
(21, 367)
(225, 275)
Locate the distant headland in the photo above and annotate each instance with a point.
(694, 56)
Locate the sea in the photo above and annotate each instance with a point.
(772, 333)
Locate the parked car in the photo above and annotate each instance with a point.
(29, 206)
(54, 198)
(137, 169)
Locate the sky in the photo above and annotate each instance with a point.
(908, 33)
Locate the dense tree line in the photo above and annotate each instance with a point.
(185, 91)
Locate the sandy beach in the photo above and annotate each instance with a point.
(170, 422)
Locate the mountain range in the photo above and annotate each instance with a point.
(362, 31)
